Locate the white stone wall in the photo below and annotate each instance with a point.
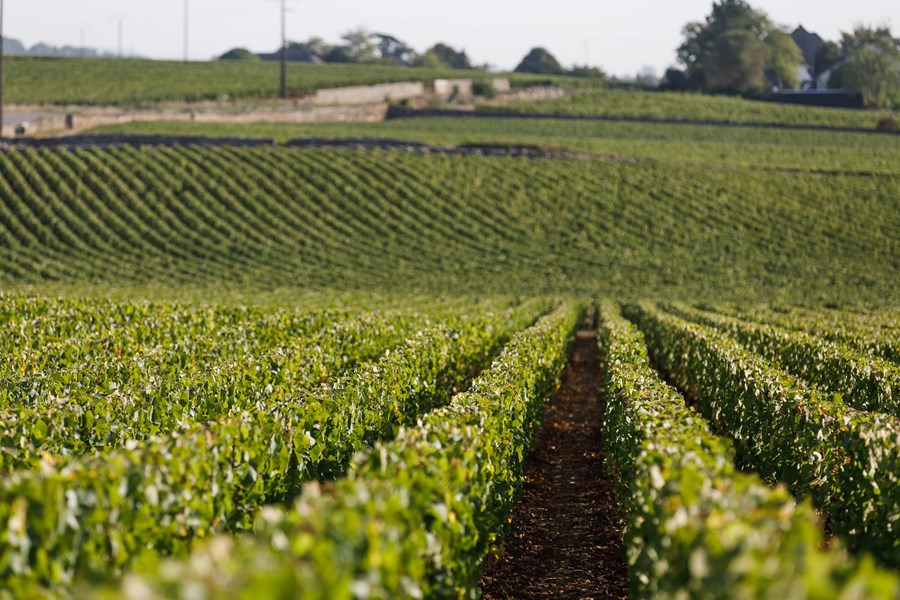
(369, 94)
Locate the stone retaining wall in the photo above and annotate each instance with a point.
(369, 94)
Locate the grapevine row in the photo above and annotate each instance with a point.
(95, 514)
(845, 459)
(695, 525)
(416, 516)
(862, 381)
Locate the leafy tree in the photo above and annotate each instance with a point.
(541, 62)
(451, 57)
(783, 56)
(734, 50)
(826, 57)
(317, 45)
(429, 60)
(737, 63)
(392, 50)
(675, 80)
(358, 47)
(872, 67)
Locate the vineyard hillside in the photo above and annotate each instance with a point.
(116, 82)
(355, 220)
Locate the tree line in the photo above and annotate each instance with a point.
(740, 50)
(362, 46)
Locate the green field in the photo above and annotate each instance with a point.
(318, 373)
(357, 220)
(103, 81)
(693, 145)
(696, 107)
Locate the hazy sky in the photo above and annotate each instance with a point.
(622, 36)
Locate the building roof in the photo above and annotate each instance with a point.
(809, 44)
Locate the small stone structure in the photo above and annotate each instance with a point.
(453, 88)
(369, 94)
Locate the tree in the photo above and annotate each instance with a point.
(358, 47)
(829, 55)
(317, 45)
(540, 62)
(872, 67)
(735, 49)
(392, 50)
(675, 80)
(783, 56)
(451, 57)
(737, 63)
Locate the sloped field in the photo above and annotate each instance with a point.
(358, 220)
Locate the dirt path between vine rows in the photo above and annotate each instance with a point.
(566, 539)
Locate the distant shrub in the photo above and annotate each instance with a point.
(888, 124)
(239, 54)
(484, 88)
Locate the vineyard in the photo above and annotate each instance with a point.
(288, 372)
(697, 146)
(677, 106)
(143, 437)
(101, 81)
(405, 222)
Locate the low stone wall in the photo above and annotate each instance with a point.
(453, 88)
(501, 85)
(370, 94)
(300, 114)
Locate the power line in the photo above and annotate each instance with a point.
(284, 50)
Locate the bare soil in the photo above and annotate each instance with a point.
(566, 538)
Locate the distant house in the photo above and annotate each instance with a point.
(814, 90)
(810, 44)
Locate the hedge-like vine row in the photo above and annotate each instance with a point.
(416, 516)
(864, 382)
(695, 525)
(845, 459)
(94, 515)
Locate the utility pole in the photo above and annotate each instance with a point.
(186, 28)
(2, 40)
(120, 38)
(284, 50)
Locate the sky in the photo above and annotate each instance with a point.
(623, 37)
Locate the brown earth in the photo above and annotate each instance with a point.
(566, 538)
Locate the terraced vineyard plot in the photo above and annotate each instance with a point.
(695, 145)
(102, 81)
(696, 107)
(401, 222)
